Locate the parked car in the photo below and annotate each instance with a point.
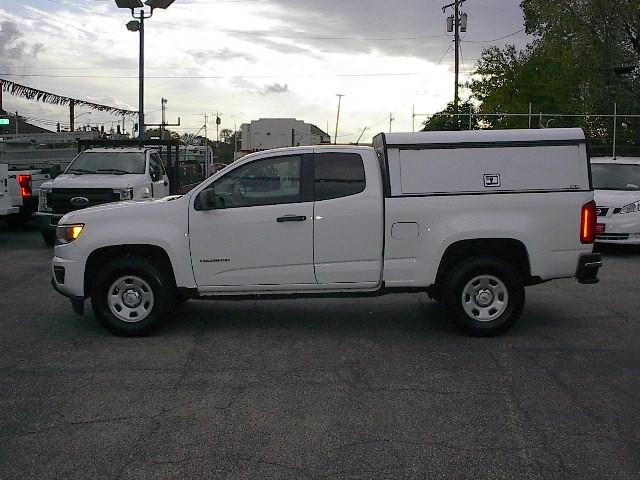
(101, 175)
(617, 193)
(470, 218)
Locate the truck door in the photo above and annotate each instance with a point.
(159, 178)
(348, 220)
(261, 237)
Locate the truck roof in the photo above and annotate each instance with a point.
(515, 135)
(118, 149)
(623, 160)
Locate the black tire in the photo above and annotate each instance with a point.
(150, 285)
(18, 219)
(483, 296)
(49, 237)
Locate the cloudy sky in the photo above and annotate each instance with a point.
(249, 59)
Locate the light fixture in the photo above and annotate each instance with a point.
(159, 3)
(129, 4)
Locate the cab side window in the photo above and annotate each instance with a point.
(270, 181)
(338, 175)
(155, 168)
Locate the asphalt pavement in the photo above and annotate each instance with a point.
(326, 388)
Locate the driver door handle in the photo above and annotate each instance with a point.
(291, 218)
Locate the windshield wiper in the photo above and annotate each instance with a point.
(117, 171)
(79, 170)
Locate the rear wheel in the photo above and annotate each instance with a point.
(131, 296)
(483, 296)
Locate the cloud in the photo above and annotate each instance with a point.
(256, 89)
(224, 54)
(275, 88)
(11, 48)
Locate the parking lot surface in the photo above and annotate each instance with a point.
(340, 388)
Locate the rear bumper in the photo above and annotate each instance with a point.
(9, 211)
(588, 266)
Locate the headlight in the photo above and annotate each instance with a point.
(42, 200)
(631, 208)
(125, 193)
(68, 233)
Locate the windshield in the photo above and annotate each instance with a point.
(615, 176)
(117, 163)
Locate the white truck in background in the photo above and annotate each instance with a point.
(470, 218)
(19, 192)
(101, 175)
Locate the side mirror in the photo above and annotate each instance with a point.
(208, 200)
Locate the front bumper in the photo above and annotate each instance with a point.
(47, 221)
(67, 277)
(588, 266)
(620, 229)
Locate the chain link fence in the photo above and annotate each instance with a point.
(614, 134)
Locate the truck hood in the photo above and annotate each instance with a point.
(96, 181)
(616, 198)
(126, 209)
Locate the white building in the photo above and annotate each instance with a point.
(280, 132)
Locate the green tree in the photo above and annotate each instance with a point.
(584, 57)
(446, 120)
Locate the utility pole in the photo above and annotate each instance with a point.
(335, 137)
(72, 115)
(391, 119)
(206, 147)
(456, 24)
(163, 106)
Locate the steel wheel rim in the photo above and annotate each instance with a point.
(485, 298)
(130, 299)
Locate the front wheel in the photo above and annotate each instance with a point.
(483, 296)
(131, 296)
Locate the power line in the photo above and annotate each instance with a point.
(445, 53)
(215, 77)
(496, 39)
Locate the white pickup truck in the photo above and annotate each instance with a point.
(469, 217)
(101, 175)
(19, 191)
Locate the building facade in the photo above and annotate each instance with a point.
(268, 133)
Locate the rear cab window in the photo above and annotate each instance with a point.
(338, 175)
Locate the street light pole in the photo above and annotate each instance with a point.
(141, 131)
(137, 25)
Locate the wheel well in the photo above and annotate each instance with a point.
(104, 255)
(512, 251)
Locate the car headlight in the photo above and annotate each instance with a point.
(125, 193)
(43, 204)
(68, 233)
(631, 208)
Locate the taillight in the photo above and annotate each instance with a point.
(25, 185)
(588, 220)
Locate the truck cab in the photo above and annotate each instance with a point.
(101, 175)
